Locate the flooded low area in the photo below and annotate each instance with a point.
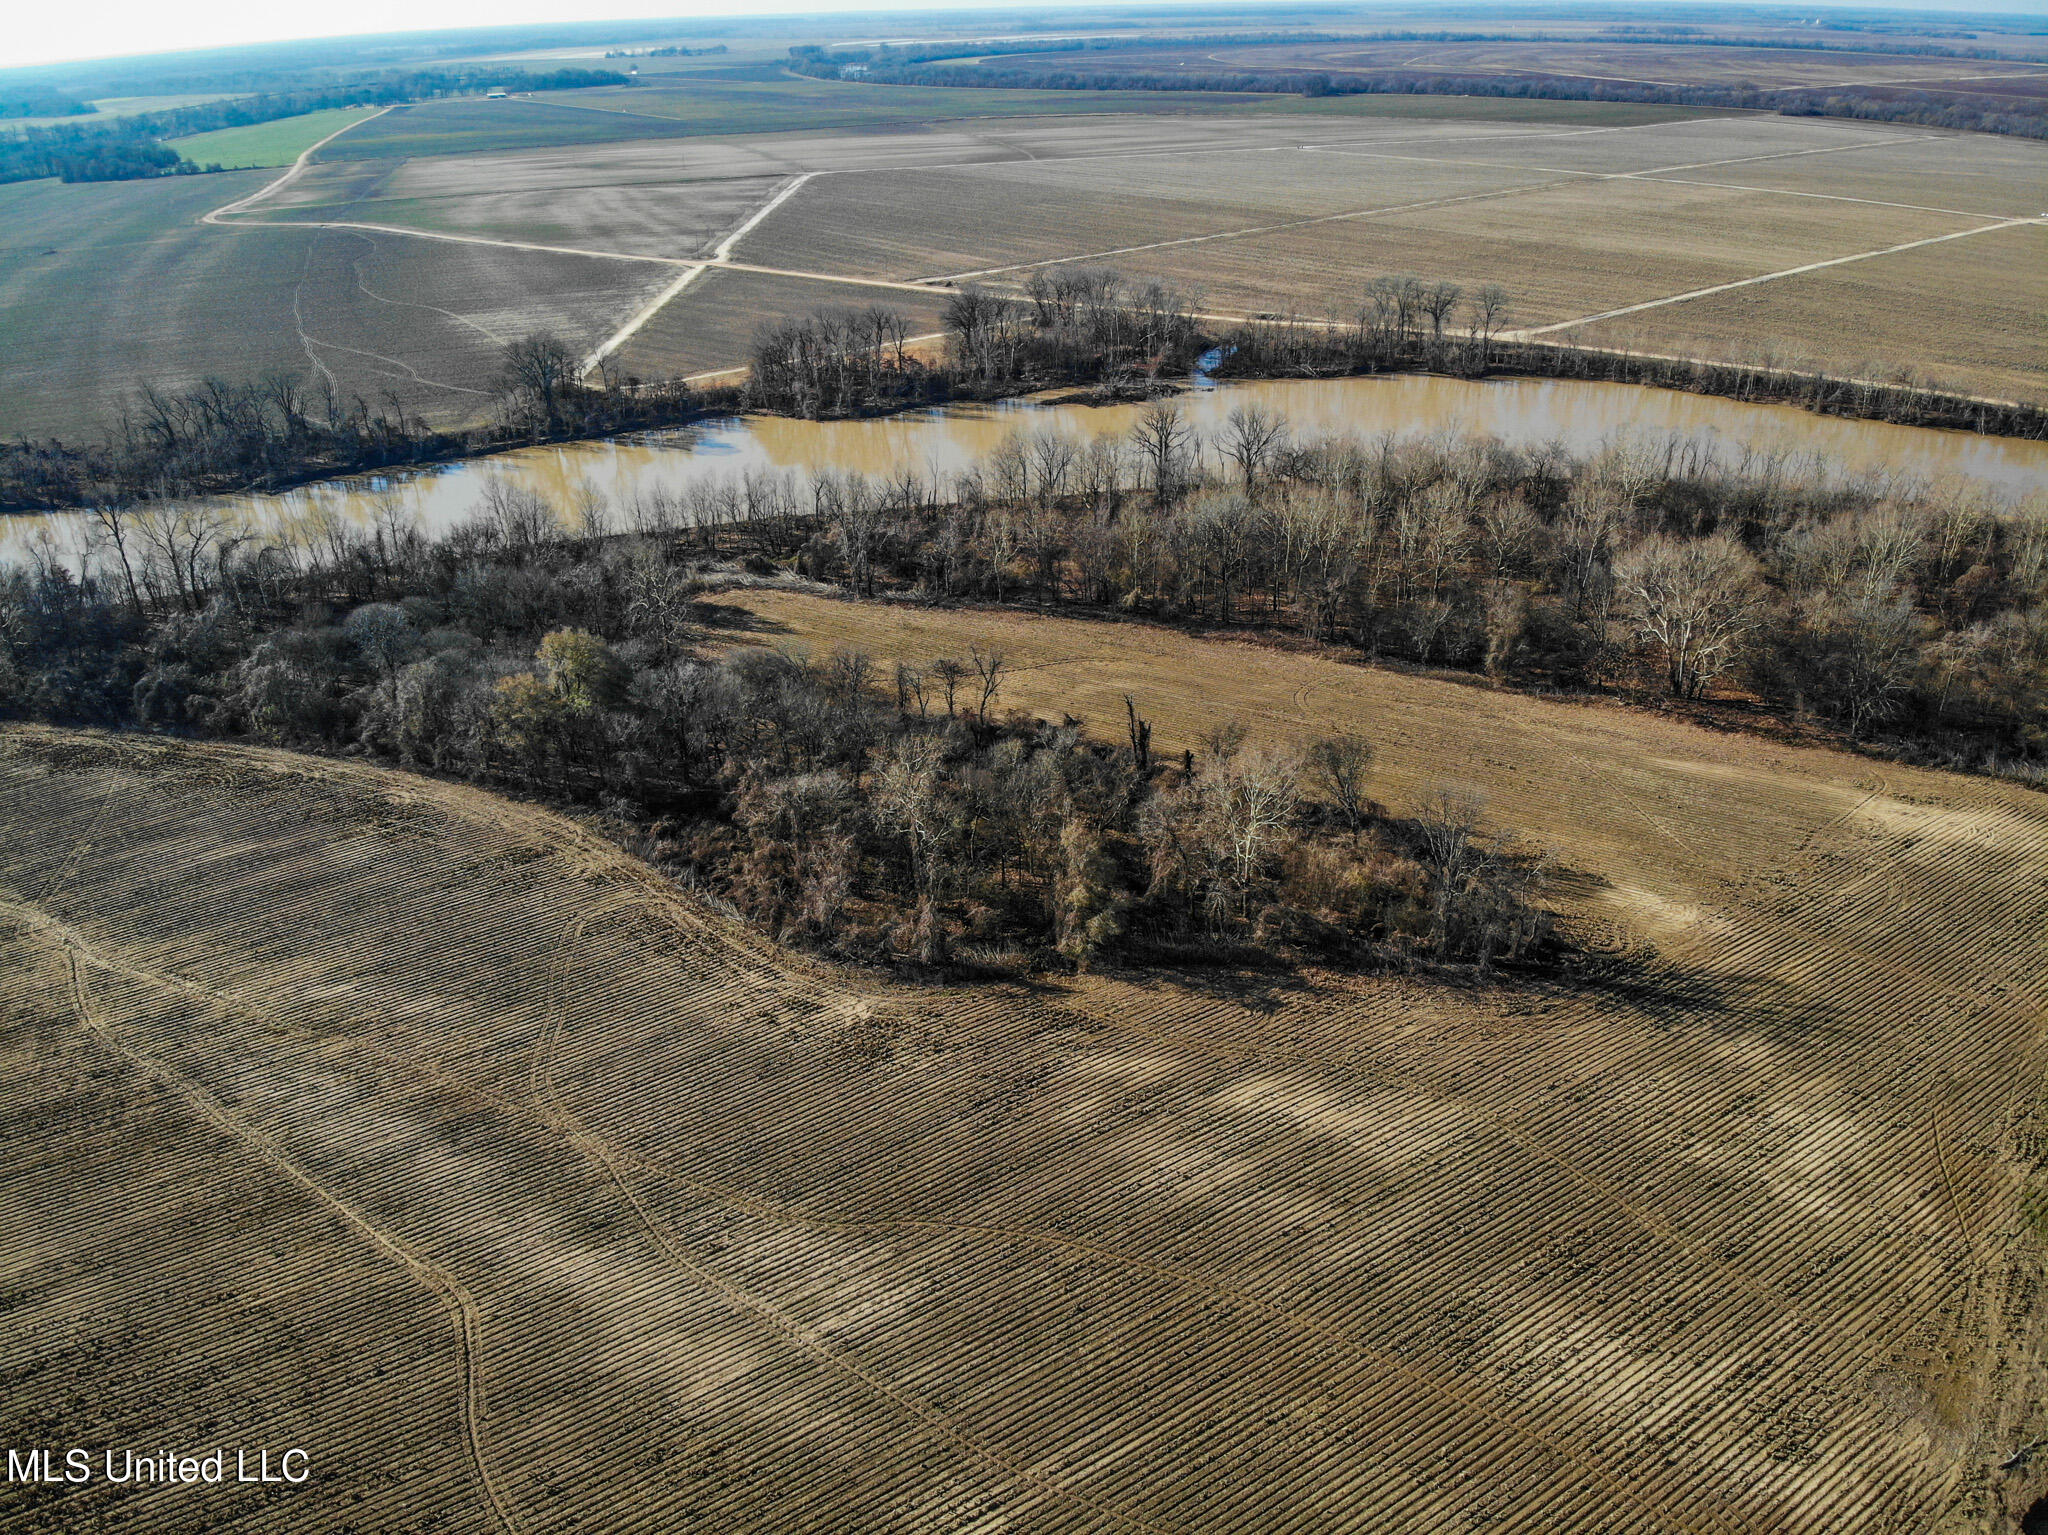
(1582, 417)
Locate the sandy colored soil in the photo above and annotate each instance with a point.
(421, 1128)
(1970, 311)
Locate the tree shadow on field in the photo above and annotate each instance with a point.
(1264, 989)
(730, 618)
(1671, 999)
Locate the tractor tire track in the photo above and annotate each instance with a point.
(462, 1305)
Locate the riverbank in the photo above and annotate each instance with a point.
(40, 477)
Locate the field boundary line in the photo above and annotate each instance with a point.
(80, 952)
(647, 311)
(455, 239)
(296, 169)
(1832, 197)
(1750, 282)
(1649, 173)
(722, 251)
(857, 282)
(1240, 234)
(1360, 213)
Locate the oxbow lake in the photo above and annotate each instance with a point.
(1582, 417)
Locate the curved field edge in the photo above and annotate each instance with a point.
(1722, 1235)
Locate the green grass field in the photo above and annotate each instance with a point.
(264, 144)
(106, 108)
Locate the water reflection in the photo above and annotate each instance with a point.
(1582, 417)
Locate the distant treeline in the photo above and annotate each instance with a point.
(129, 148)
(809, 57)
(40, 101)
(818, 58)
(673, 51)
(2026, 118)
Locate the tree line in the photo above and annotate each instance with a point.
(1124, 338)
(219, 437)
(1910, 617)
(884, 814)
(127, 148)
(1926, 105)
(816, 57)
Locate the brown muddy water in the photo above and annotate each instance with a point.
(1582, 417)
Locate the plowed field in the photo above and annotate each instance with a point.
(422, 1130)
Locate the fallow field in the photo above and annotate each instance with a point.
(422, 1129)
(1721, 234)
(105, 288)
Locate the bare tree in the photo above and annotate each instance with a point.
(538, 370)
(1338, 768)
(657, 600)
(1251, 439)
(1165, 442)
(111, 527)
(988, 667)
(1697, 599)
(1053, 457)
(951, 673)
(860, 530)
(1509, 533)
(909, 798)
(1480, 888)
(1866, 654)
(1141, 738)
(1437, 301)
(176, 537)
(385, 638)
(911, 689)
(1489, 315)
(1248, 806)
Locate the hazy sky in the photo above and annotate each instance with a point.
(42, 31)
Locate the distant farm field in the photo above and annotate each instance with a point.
(1815, 242)
(278, 142)
(106, 288)
(432, 1131)
(1975, 309)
